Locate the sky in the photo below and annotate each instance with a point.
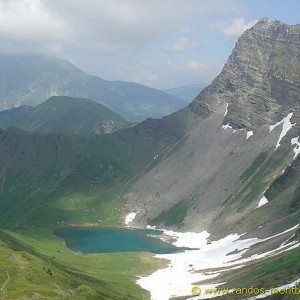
(159, 43)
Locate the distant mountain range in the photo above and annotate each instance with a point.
(186, 93)
(64, 114)
(31, 79)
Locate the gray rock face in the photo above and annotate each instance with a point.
(261, 79)
(213, 177)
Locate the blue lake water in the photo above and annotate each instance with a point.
(105, 240)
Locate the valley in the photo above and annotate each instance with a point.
(219, 178)
(40, 262)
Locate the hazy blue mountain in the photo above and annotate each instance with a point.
(64, 114)
(30, 80)
(187, 93)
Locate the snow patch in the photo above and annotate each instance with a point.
(249, 134)
(129, 218)
(224, 127)
(226, 110)
(295, 141)
(286, 126)
(263, 201)
(188, 267)
(150, 227)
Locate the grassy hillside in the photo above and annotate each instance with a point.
(51, 178)
(270, 273)
(64, 114)
(37, 264)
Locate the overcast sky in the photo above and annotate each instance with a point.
(159, 43)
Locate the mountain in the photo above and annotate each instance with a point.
(64, 114)
(225, 165)
(233, 176)
(41, 173)
(229, 156)
(259, 80)
(31, 79)
(186, 93)
(203, 167)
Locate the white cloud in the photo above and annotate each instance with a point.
(181, 44)
(27, 25)
(235, 27)
(130, 23)
(167, 74)
(196, 66)
(110, 38)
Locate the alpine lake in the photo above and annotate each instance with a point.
(106, 240)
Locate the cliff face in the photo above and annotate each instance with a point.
(261, 79)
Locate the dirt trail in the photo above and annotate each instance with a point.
(5, 283)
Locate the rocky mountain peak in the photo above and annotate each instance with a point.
(260, 80)
(267, 22)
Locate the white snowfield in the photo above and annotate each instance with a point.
(286, 126)
(224, 254)
(295, 141)
(129, 218)
(263, 201)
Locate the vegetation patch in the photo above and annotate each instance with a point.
(254, 166)
(174, 216)
(270, 273)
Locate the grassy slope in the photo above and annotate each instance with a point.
(272, 272)
(64, 114)
(38, 263)
(269, 273)
(50, 178)
(63, 104)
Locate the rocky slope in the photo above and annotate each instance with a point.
(215, 175)
(30, 80)
(64, 115)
